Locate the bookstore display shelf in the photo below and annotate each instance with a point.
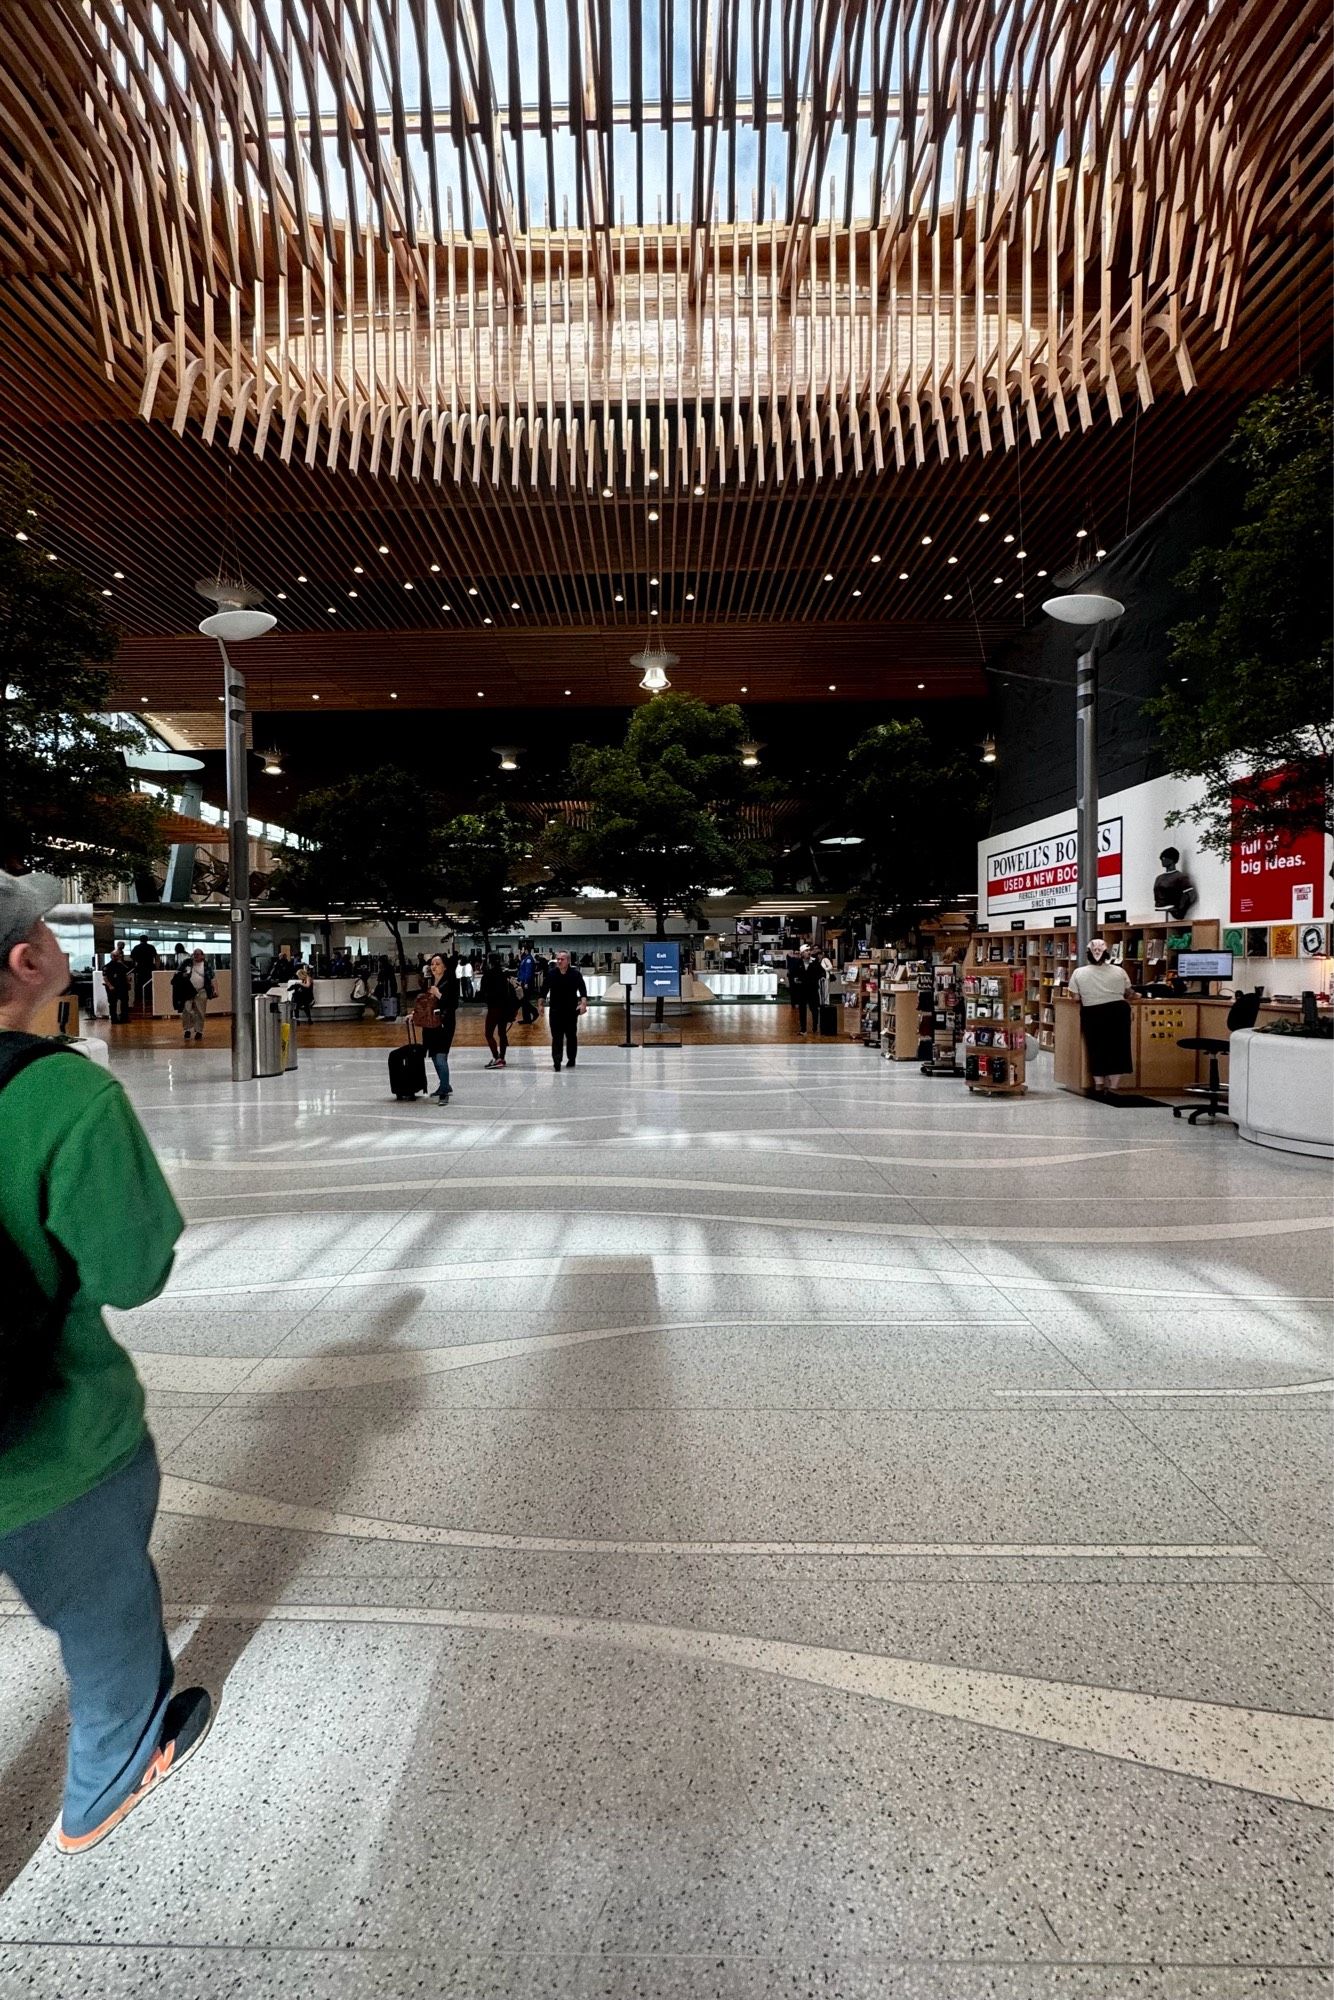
(994, 1039)
(1047, 957)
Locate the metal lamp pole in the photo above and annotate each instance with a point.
(236, 618)
(1089, 611)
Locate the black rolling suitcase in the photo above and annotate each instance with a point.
(829, 1018)
(407, 1067)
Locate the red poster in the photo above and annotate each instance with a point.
(1266, 868)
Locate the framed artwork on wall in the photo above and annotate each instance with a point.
(1257, 941)
(1234, 940)
(1313, 941)
(1283, 940)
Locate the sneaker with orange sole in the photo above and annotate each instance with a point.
(186, 1723)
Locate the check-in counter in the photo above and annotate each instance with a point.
(1156, 1029)
(161, 993)
(759, 985)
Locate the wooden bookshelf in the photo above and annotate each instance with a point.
(1047, 958)
(995, 1002)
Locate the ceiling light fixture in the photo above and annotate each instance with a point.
(690, 597)
(875, 559)
(652, 476)
(352, 593)
(118, 576)
(1081, 534)
(856, 593)
(357, 570)
(393, 697)
(1007, 538)
(435, 569)
(446, 607)
(745, 690)
(750, 755)
(106, 593)
(655, 660)
(514, 604)
(983, 519)
(653, 513)
(920, 686)
(1022, 554)
(383, 549)
(951, 560)
(508, 754)
(903, 576)
(409, 586)
(314, 697)
(273, 763)
(20, 536)
(988, 749)
(303, 579)
(998, 579)
(620, 597)
(472, 590)
(486, 621)
(698, 491)
(829, 576)
(606, 492)
(926, 541)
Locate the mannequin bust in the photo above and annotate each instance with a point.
(1173, 890)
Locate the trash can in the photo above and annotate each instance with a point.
(269, 1051)
(287, 1033)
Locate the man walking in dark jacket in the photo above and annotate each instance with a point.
(565, 998)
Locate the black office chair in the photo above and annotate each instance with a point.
(1243, 1013)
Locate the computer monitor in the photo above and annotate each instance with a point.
(1205, 964)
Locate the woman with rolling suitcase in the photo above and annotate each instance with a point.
(435, 1012)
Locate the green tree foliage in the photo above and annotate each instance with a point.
(373, 846)
(1252, 691)
(919, 811)
(666, 824)
(482, 858)
(66, 799)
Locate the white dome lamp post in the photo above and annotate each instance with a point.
(235, 619)
(1088, 611)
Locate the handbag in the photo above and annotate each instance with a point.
(425, 1013)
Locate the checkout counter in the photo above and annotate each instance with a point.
(1156, 1027)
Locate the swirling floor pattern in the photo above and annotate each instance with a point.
(716, 1524)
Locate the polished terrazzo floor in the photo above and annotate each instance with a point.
(728, 1522)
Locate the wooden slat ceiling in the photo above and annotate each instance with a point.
(475, 336)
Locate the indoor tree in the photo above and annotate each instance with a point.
(481, 859)
(67, 803)
(664, 824)
(370, 844)
(1250, 690)
(919, 810)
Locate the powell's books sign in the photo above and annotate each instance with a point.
(1044, 874)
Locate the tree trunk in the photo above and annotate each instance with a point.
(659, 1005)
(396, 934)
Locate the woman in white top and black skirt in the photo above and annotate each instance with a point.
(1102, 991)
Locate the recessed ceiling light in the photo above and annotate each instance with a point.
(1019, 593)
(221, 697)
(118, 576)
(606, 492)
(1081, 534)
(472, 590)
(875, 559)
(1042, 572)
(903, 576)
(357, 570)
(690, 597)
(1007, 538)
(144, 699)
(653, 583)
(409, 586)
(984, 518)
(331, 607)
(282, 596)
(481, 694)
(699, 490)
(383, 549)
(50, 558)
(486, 621)
(106, 593)
(653, 513)
(951, 560)
(949, 597)
(920, 686)
(393, 697)
(20, 536)
(1100, 552)
(314, 697)
(856, 593)
(620, 597)
(829, 576)
(833, 687)
(446, 607)
(652, 476)
(514, 604)
(998, 579)
(303, 579)
(435, 569)
(352, 593)
(926, 541)
(652, 613)
(745, 690)
(1022, 554)
(567, 690)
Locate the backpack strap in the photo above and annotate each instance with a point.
(17, 1050)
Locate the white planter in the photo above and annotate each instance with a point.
(1281, 1092)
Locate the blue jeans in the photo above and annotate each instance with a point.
(441, 1063)
(84, 1572)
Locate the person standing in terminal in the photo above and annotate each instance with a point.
(144, 960)
(527, 980)
(191, 990)
(442, 996)
(1102, 991)
(116, 976)
(565, 998)
(501, 1003)
(794, 980)
(86, 1221)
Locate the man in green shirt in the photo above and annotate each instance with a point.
(86, 1220)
